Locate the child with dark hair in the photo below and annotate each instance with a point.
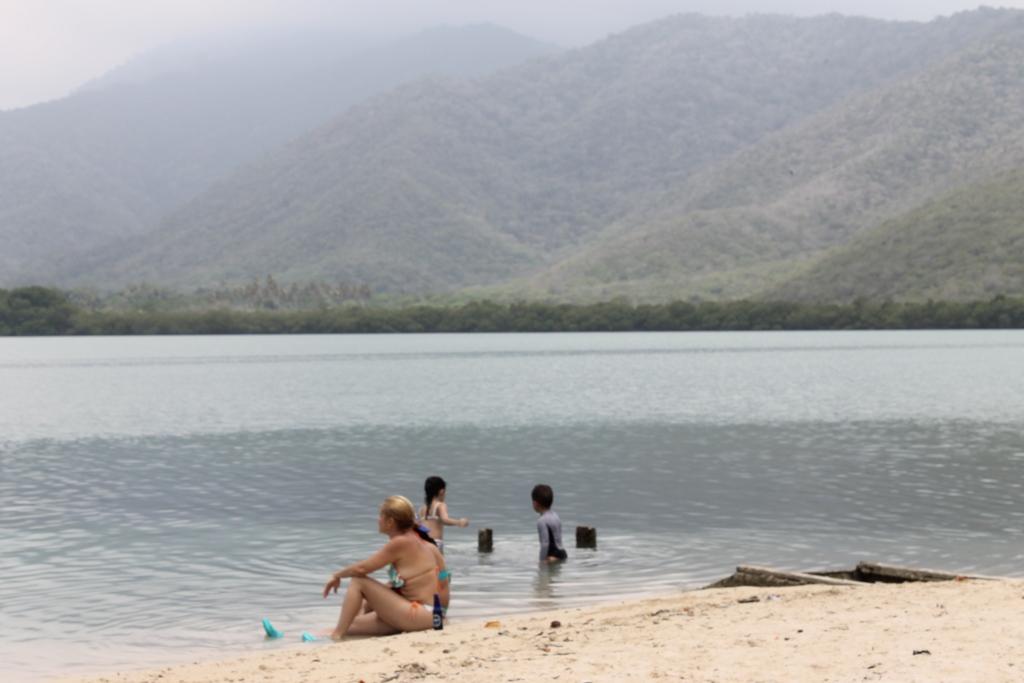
(549, 526)
(435, 513)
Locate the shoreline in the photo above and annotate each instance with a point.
(47, 311)
(948, 631)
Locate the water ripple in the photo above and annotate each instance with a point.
(155, 512)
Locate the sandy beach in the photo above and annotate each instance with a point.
(951, 631)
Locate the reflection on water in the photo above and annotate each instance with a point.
(185, 500)
(149, 548)
(545, 586)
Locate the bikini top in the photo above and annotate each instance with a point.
(432, 517)
(394, 579)
(397, 582)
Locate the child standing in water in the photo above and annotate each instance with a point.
(435, 513)
(549, 525)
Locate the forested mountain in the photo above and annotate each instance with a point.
(111, 160)
(742, 223)
(691, 156)
(967, 245)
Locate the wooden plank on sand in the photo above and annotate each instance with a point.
(763, 576)
(885, 571)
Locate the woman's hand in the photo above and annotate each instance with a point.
(332, 584)
(464, 522)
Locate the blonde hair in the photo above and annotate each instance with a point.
(401, 510)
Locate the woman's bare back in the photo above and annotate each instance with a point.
(417, 566)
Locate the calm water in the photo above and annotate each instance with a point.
(161, 495)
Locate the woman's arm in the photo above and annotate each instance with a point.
(442, 514)
(381, 558)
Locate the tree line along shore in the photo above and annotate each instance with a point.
(41, 311)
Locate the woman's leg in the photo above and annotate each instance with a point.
(365, 624)
(395, 610)
(369, 624)
(351, 606)
(390, 609)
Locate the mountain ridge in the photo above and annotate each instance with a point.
(108, 163)
(809, 205)
(692, 157)
(965, 245)
(500, 176)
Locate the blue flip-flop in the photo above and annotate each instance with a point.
(270, 630)
(308, 637)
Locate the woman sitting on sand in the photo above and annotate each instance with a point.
(416, 574)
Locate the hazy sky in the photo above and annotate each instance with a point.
(48, 47)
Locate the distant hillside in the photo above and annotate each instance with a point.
(968, 245)
(747, 222)
(112, 160)
(269, 50)
(690, 147)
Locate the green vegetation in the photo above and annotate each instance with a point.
(36, 311)
(822, 182)
(968, 245)
(81, 175)
(257, 295)
(692, 156)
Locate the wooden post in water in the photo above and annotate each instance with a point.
(586, 537)
(485, 541)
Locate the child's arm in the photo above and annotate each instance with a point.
(442, 514)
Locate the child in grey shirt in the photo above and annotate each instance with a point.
(549, 526)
